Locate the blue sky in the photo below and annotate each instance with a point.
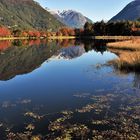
(94, 9)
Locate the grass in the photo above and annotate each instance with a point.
(51, 37)
(116, 37)
(129, 55)
(62, 37)
(127, 62)
(133, 44)
(12, 38)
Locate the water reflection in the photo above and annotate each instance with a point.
(23, 59)
(63, 90)
(23, 56)
(70, 52)
(137, 81)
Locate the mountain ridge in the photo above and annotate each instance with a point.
(130, 12)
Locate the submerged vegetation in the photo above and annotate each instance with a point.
(103, 119)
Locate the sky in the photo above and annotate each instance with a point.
(96, 10)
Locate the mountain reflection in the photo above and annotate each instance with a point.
(70, 52)
(24, 56)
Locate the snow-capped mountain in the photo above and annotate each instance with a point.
(69, 53)
(70, 18)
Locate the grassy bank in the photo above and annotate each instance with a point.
(117, 37)
(133, 44)
(127, 62)
(62, 37)
(97, 37)
(129, 55)
(51, 37)
(13, 38)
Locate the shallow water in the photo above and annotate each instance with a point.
(60, 89)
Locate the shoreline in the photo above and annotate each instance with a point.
(74, 37)
(117, 37)
(24, 38)
(14, 38)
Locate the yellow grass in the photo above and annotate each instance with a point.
(116, 37)
(133, 44)
(12, 38)
(51, 37)
(62, 37)
(128, 60)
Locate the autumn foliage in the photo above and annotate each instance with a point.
(4, 32)
(4, 45)
(66, 32)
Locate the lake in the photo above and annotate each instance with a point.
(65, 89)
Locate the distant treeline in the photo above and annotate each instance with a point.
(118, 28)
(123, 28)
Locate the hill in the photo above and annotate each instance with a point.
(26, 14)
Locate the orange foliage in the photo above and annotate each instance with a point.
(24, 33)
(136, 29)
(49, 34)
(43, 34)
(67, 32)
(4, 32)
(4, 45)
(34, 42)
(37, 34)
(58, 33)
(34, 34)
(25, 42)
(64, 31)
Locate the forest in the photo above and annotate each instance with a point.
(123, 28)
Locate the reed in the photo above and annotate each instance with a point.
(127, 62)
(133, 44)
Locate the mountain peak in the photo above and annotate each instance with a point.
(70, 11)
(70, 17)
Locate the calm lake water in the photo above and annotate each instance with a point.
(65, 89)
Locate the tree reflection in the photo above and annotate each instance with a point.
(4, 45)
(96, 45)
